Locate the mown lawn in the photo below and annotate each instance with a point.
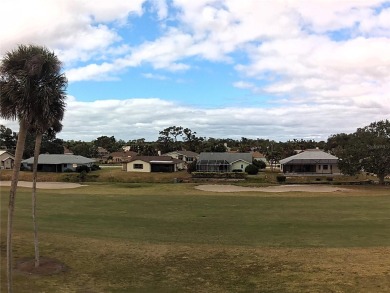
(172, 238)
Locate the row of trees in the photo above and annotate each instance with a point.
(170, 139)
(366, 149)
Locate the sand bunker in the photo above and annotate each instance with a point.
(44, 185)
(279, 188)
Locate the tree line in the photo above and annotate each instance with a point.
(367, 149)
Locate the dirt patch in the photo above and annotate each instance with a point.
(279, 188)
(44, 185)
(48, 266)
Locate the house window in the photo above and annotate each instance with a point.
(190, 159)
(180, 157)
(138, 166)
(242, 166)
(325, 167)
(319, 167)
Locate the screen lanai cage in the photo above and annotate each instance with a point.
(213, 166)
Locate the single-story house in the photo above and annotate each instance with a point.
(186, 156)
(223, 162)
(58, 163)
(311, 161)
(153, 164)
(6, 160)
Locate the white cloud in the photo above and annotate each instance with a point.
(325, 61)
(144, 118)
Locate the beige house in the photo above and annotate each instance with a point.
(312, 161)
(153, 164)
(6, 160)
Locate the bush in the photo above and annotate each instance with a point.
(259, 164)
(251, 169)
(236, 170)
(329, 178)
(67, 170)
(191, 167)
(82, 168)
(95, 167)
(82, 175)
(281, 178)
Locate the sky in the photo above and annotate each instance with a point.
(281, 70)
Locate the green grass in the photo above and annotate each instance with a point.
(144, 237)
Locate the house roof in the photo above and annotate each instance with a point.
(49, 159)
(184, 153)
(156, 159)
(257, 155)
(4, 152)
(229, 157)
(310, 156)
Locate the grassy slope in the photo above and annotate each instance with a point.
(156, 237)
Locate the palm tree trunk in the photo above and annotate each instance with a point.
(37, 149)
(11, 206)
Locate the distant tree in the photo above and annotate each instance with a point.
(81, 148)
(366, 149)
(109, 143)
(191, 141)
(165, 142)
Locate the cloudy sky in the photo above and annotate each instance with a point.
(223, 68)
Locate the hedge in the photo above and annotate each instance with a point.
(226, 175)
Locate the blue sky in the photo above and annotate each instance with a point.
(223, 68)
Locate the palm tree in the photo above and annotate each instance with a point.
(30, 81)
(55, 128)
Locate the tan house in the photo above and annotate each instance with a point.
(153, 164)
(313, 161)
(6, 160)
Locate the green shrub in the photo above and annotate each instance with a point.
(251, 169)
(191, 167)
(259, 164)
(329, 178)
(95, 167)
(281, 178)
(82, 168)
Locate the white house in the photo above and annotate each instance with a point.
(153, 164)
(311, 161)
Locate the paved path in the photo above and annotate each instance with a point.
(44, 185)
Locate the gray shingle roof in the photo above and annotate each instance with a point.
(229, 157)
(310, 156)
(59, 159)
